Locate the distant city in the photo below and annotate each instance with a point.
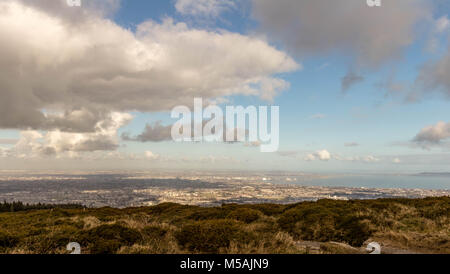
(126, 189)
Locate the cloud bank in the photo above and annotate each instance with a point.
(370, 36)
(70, 70)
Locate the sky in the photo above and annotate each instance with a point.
(359, 88)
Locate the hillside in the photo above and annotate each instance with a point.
(325, 226)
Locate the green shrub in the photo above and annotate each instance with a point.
(7, 240)
(269, 209)
(208, 214)
(210, 236)
(105, 214)
(105, 246)
(109, 238)
(245, 215)
(169, 209)
(51, 242)
(324, 221)
(353, 231)
(154, 232)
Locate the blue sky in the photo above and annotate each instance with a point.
(387, 120)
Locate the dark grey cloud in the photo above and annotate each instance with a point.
(349, 80)
(157, 132)
(369, 36)
(47, 151)
(435, 76)
(97, 144)
(151, 133)
(392, 87)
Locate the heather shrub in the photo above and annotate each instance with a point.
(154, 232)
(326, 220)
(109, 238)
(245, 215)
(269, 209)
(105, 214)
(105, 246)
(208, 214)
(210, 236)
(353, 231)
(7, 240)
(54, 241)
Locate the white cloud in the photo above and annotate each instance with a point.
(370, 159)
(3, 152)
(288, 153)
(60, 8)
(442, 24)
(150, 155)
(396, 161)
(4, 141)
(351, 144)
(322, 155)
(252, 144)
(310, 157)
(68, 144)
(323, 66)
(318, 116)
(91, 67)
(433, 135)
(215, 159)
(439, 31)
(207, 8)
(361, 159)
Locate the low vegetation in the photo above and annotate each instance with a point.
(325, 226)
(19, 206)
